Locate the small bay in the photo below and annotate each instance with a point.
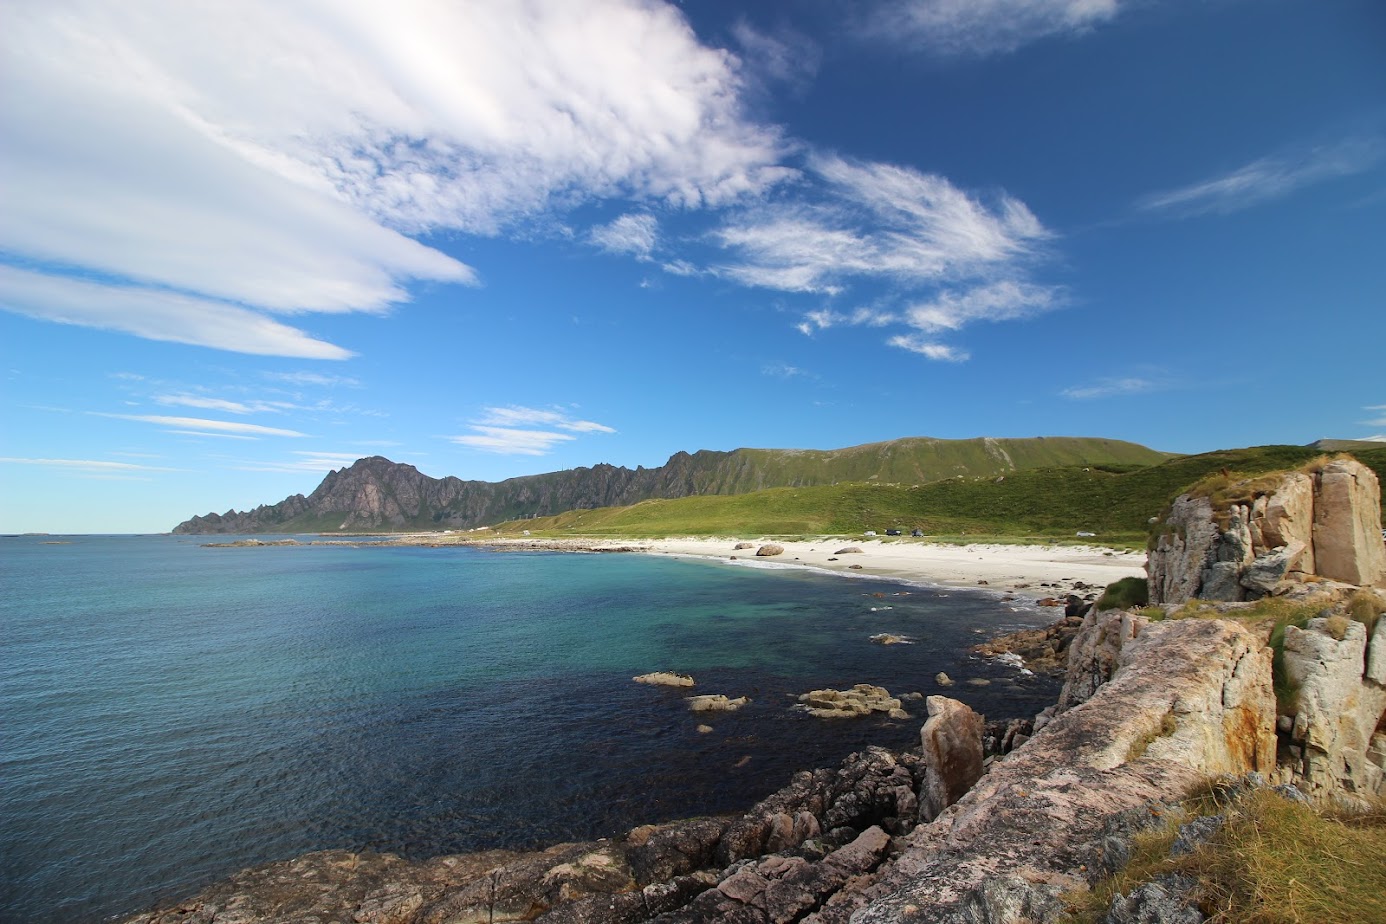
(173, 713)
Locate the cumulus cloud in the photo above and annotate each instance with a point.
(142, 150)
(984, 27)
(1267, 178)
(635, 234)
(511, 430)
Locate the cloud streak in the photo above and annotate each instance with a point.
(512, 430)
(1266, 179)
(985, 27)
(1111, 388)
(202, 426)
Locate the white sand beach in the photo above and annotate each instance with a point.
(1022, 569)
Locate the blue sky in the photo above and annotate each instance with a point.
(242, 244)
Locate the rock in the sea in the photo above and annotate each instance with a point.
(862, 699)
(942, 679)
(665, 679)
(885, 638)
(769, 550)
(952, 740)
(715, 702)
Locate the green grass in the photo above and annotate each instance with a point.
(1124, 594)
(1273, 862)
(1044, 504)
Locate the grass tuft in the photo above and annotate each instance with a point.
(1124, 594)
(1273, 862)
(1366, 606)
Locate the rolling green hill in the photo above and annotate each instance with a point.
(377, 494)
(1113, 501)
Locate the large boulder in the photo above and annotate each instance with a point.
(952, 740)
(1347, 524)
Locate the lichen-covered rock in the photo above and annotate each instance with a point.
(1163, 900)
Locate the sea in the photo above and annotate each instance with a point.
(172, 713)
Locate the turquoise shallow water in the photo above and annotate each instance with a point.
(172, 713)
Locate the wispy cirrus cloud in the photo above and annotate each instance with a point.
(142, 153)
(1267, 178)
(88, 465)
(512, 430)
(1112, 387)
(314, 378)
(204, 426)
(984, 27)
(914, 232)
(304, 461)
(1378, 418)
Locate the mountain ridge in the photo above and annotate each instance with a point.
(376, 493)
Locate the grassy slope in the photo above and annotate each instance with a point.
(1113, 501)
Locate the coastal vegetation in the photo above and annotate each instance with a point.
(377, 494)
(1113, 501)
(1272, 860)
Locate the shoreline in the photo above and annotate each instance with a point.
(1037, 571)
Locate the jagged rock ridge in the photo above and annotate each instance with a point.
(376, 493)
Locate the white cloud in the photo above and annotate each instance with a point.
(261, 156)
(999, 301)
(509, 430)
(314, 378)
(982, 27)
(1267, 178)
(635, 234)
(207, 404)
(202, 426)
(89, 465)
(1111, 387)
(307, 461)
(930, 349)
(156, 315)
(511, 442)
(878, 221)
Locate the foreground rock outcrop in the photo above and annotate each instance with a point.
(1324, 521)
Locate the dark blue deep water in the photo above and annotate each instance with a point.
(170, 714)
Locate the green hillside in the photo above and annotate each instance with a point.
(1113, 501)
